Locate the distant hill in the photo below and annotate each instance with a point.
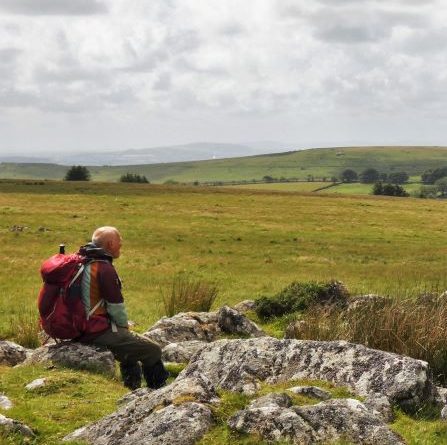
(318, 162)
(156, 155)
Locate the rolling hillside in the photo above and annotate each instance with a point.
(319, 162)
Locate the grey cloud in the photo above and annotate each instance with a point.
(351, 33)
(53, 7)
(9, 55)
(354, 25)
(423, 42)
(147, 62)
(232, 30)
(163, 83)
(181, 41)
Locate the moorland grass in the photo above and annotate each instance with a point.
(249, 243)
(69, 400)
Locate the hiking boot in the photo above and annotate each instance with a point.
(155, 375)
(131, 374)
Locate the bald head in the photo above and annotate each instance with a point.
(109, 239)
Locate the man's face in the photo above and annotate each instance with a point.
(114, 245)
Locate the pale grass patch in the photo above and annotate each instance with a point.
(25, 329)
(187, 293)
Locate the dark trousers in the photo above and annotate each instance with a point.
(130, 349)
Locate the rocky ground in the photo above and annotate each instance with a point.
(271, 374)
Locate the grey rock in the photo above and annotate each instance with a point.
(133, 395)
(75, 355)
(347, 418)
(444, 413)
(441, 395)
(37, 383)
(272, 400)
(234, 364)
(368, 300)
(381, 406)
(174, 414)
(181, 352)
(322, 423)
(5, 403)
(295, 329)
(311, 391)
(14, 426)
(245, 306)
(185, 326)
(233, 322)
(12, 354)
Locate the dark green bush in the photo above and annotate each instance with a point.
(299, 296)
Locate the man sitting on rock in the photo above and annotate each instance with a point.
(108, 325)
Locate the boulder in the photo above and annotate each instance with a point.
(444, 413)
(181, 352)
(368, 300)
(311, 391)
(14, 426)
(12, 354)
(5, 403)
(245, 306)
(201, 327)
(441, 395)
(239, 365)
(75, 355)
(380, 406)
(233, 322)
(183, 424)
(35, 384)
(174, 414)
(295, 329)
(185, 326)
(274, 419)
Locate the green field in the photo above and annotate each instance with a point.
(321, 187)
(321, 162)
(249, 242)
(283, 186)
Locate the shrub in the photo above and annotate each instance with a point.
(134, 177)
(77, 173)
(389, 190)
(369, 176)
(431, 176)
(349, 175)
(398, 177)
(188, 294)
(415, 328)
(299, 297)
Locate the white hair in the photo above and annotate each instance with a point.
(101, 234)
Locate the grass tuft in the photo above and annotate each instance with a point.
(188, 294)
(24, 329)
(407, 327)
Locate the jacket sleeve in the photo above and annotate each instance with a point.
(110, 286)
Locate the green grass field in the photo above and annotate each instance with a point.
(283, 186)
(249, 242)
(321, 162)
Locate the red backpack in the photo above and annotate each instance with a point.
(61, 309)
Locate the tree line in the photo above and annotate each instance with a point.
(371, 175)
(81, 173)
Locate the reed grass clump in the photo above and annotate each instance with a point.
(416, 328)
(188, 293)
(24, 329)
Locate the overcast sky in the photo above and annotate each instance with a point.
(81, 75)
